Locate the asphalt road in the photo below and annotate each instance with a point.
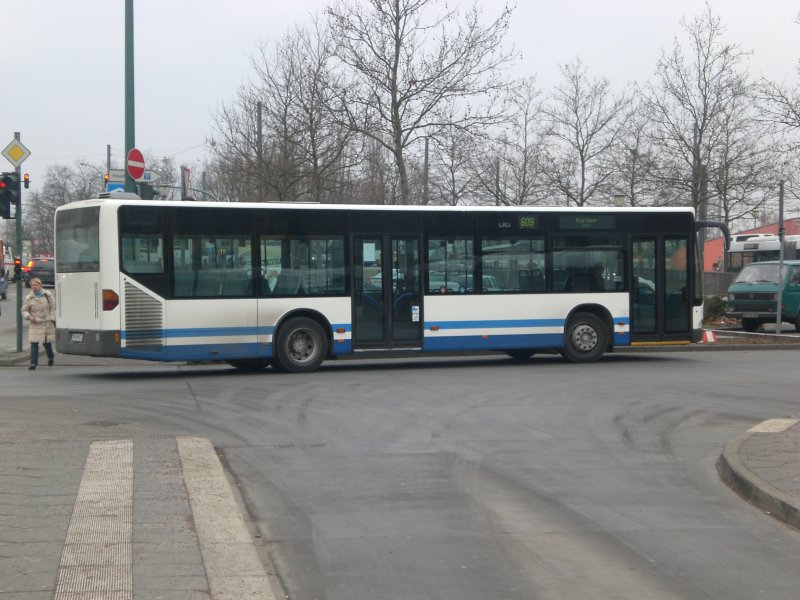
(465, 478)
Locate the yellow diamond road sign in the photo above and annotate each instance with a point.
(16, 152)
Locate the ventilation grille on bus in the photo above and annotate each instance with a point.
(144, 319)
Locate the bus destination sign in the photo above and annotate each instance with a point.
(587, 222)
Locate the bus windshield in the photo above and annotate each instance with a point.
(78, 240)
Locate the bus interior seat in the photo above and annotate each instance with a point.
(237, 283)
(209, 283)
(290, 283)
(184, 283)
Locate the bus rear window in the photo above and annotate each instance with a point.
(78, 240)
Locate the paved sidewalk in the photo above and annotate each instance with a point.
(121, 519)
(763, 466)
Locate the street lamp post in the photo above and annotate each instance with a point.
(99, 172)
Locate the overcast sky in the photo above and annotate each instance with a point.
(63, 61)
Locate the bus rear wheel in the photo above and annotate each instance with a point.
(301, 346)
(585, 338)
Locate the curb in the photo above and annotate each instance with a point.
(753, 488)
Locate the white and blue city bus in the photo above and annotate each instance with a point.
(254, 284)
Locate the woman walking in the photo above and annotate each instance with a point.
(39, 309)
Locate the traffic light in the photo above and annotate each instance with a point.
(26, 181)
(5, 200)
(9, 193)
(17, 268)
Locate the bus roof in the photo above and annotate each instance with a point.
(131, 200)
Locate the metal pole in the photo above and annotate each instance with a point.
(259, 153)
(497, 182)
(20, 289)
(779, 299)
(108, 166)
(130, 125)
(99, 172)
(426, 198)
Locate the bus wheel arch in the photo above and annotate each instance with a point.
(588, 334)
(302, 341)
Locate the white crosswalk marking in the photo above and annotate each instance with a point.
(99, 560)
(233, 567)
(96, 559)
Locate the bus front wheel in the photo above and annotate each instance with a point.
(301, 346)
(585, 338)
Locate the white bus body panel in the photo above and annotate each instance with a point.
(513, 321)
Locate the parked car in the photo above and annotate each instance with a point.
(753, 296)
(3, 286)
(42, 267)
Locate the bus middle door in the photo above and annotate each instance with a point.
(387, 299)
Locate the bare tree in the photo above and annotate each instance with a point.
(277, 140)
(524, 145)
(404, 71)
(781, 103)
(324, 146)
(746, 167)
(689, 101)
(585, 122)
(510, 167)
(238, 172)
(634, 159)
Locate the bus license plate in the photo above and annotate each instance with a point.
(76, 337)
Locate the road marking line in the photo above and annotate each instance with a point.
(773, 426)
(96, 560)
(233, 567)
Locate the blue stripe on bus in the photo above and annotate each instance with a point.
(200, 352)
(210, 332)
(216, 352)
(493, 339)
(507, 323)
(494, 342)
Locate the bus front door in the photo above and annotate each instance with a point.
(387, 298)
(661, 305)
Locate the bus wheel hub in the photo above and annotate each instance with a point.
(584, 338)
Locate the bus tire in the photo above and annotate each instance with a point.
(300, 346)
(250, 364)
(750, 325)
(520, 354)
(585, 338)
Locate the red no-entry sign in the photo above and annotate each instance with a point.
(135, 163)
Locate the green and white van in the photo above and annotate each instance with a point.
(753, 296)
